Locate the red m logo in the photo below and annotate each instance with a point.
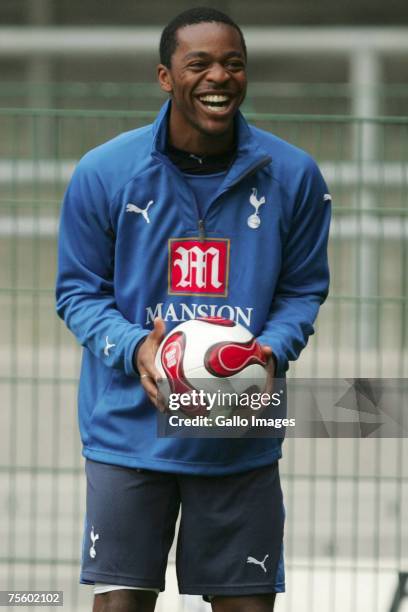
(198, 267)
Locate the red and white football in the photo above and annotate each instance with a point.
(211, 354)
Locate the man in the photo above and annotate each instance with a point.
(198, 183)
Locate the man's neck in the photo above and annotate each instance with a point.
(198, 143)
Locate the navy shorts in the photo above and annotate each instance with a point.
(229, 540)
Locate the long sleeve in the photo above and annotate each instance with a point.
(304, 279)
(85, 288)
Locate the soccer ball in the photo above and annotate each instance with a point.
(213, 355)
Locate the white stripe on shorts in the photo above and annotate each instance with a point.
(100, 587)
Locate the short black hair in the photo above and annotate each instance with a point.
(199, 14)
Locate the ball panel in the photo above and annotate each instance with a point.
(172, 355)
(172, 352)
(201, 334)
(228, 358)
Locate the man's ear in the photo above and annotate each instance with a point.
(164, 78)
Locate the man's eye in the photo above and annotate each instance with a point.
(197, 65)
(235, 65)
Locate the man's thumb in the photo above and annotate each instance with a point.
(159, 330)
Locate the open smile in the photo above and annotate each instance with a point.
(216, 103)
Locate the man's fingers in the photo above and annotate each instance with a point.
(267, 351)
(146, 353)
(150, 370)
(270, 368)
(150, 387)
(153, 392)
(149, 375)
(270, 358)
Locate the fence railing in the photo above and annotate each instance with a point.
(347, 532)
(276, 97)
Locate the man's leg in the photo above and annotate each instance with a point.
(125, 600)
(129, 528)
(230, 539)
(244, 603)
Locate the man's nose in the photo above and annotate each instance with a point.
(218, 74)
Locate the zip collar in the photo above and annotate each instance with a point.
(250, 156)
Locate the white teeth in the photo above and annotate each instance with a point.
(214, 98)
(217, 109)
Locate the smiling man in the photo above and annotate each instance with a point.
(196, 215)
(203, 110)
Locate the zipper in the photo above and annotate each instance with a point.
(201, 224)
(201, 230)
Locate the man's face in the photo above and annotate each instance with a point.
(207, 79)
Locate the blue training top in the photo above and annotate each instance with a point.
(133, 246)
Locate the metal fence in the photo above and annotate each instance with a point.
(347, 500)
(289, 97)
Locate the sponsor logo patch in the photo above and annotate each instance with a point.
(198, 267)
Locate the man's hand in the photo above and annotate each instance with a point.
(144, 363)
(270, 367)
